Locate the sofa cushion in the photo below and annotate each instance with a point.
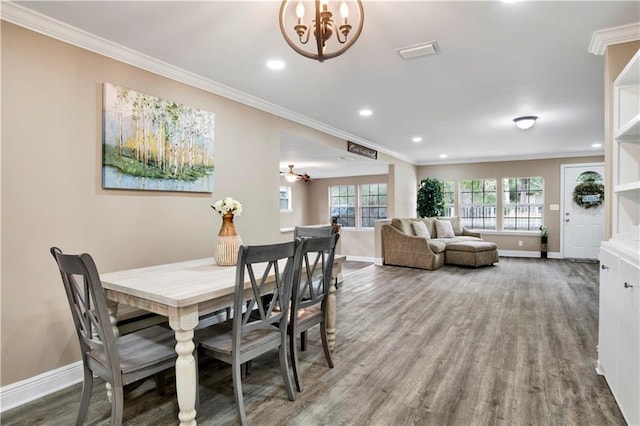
(420, 229)
(444, 229)
(437, 246)
(471, 246)
(403, 224)
(456, 223)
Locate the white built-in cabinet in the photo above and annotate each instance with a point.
(619, 316)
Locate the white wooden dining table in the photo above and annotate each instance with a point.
(183, 292)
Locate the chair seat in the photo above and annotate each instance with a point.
(141, 349)
(311, 314)
(218, 338)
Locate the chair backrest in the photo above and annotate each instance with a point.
(88, 306)
(312, 231)
(269, 295)
(317, 261)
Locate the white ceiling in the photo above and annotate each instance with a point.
(497, 61)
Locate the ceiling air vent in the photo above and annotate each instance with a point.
(417, 50)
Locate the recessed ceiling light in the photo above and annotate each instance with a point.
(443, 155)
(596, 145)
(366, 112)
(417, 139)
(275, 64)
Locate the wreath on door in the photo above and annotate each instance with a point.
(588, 194)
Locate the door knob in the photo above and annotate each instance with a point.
(627, 285)
(567, 220)
(604, 267)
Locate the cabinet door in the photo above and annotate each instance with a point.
(608, 319)
(629, 342)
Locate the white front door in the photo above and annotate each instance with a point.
(582, 225)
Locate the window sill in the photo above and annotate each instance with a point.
(515, 233)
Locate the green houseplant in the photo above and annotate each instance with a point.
(430, 198)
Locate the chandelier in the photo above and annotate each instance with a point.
(297, 32)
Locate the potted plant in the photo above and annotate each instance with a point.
(543, 242)
(430, 198)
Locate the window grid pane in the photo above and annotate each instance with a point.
(373, 203)
(285, 198)
(343, 204)
(448, 197)
(478, 203)
(523, 202)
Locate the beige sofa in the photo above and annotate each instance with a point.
(401, 247)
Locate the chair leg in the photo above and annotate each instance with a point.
(325, 343)
(236, 375)
(160, 383)
(284, 368)
(293, 351)
(303, 341)
(87, 387)
(117, 406)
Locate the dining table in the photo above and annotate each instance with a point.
(184, 292)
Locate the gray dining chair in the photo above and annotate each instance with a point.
(309, 297)
(312, 231)
(117, 360)
(256, 309)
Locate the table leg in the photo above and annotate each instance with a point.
(183, 321)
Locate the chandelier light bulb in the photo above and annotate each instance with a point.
(300, 12)
(344, 11)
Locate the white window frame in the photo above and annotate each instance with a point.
(286, 189)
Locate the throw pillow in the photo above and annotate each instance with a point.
(444, 229)
(420, 229)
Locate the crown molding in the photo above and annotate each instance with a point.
(616, 35)
(34, 21)
(594, 153)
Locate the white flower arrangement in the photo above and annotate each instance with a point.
(228, 205)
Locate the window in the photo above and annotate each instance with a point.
(478, 203)
(522, 203)
(343, 204)
(370, 203)
(285, 198)
(449, 197)
(373, 203)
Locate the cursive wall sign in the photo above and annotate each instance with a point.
(362, 150)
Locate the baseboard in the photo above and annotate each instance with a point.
(523, 253)
(30, 389)
(361, 258)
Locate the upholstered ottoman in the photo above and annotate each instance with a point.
(471, 253)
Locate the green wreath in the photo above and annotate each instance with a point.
(588, 194)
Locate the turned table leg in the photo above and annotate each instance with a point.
(183, 321)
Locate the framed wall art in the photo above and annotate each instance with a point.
(155, 144)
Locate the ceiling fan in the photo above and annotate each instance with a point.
(292, 176)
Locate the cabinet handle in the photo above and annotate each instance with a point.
(627, 285)
(604, 267)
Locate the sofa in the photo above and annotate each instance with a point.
(440, 244)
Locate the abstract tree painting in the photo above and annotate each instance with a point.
(155, 144)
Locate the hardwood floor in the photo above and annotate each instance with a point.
(509, 344)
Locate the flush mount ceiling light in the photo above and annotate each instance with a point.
(297, 31)
(525, 122)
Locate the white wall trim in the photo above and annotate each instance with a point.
(50, 27)
(616, 35)
(531, 254)
(30, 389)
(362, 258)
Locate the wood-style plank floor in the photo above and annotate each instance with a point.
(511, 344)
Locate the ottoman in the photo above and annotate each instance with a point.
(471, 253)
